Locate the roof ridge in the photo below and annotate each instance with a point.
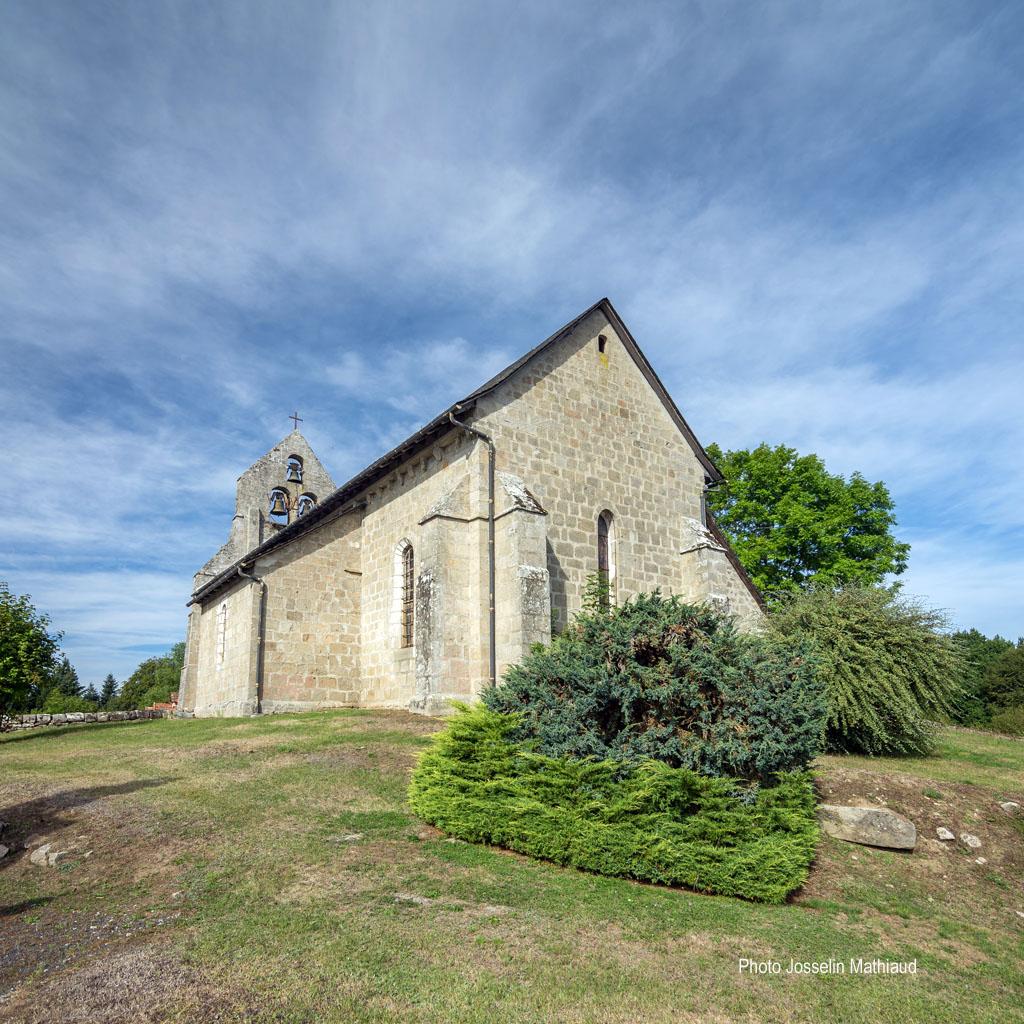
(441, 424)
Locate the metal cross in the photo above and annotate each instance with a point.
(296, 419)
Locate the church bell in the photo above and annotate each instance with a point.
(277, 504)
(294, 473)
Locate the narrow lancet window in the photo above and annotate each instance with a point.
(408, 595)
(605, 557)
(222, 633)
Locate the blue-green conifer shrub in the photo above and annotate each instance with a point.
(658, 678)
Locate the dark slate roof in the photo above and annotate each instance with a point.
(342, 500)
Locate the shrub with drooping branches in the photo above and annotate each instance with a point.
(888, 664)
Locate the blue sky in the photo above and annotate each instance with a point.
(809, 214)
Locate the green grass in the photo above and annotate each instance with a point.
(245, 826)
(962, 755)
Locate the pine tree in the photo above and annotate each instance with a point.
(108, 691)
(91, 694)
(65, 678)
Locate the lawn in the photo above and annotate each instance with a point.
(270, 870)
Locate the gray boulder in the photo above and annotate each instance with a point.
(39, 854)
(869, 826)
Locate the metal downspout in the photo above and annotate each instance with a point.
(492, 648)
(259, 635)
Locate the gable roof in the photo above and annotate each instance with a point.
(638, 357)
(342, 500)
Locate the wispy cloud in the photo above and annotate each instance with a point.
(810, 217)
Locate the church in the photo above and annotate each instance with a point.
(423, 577)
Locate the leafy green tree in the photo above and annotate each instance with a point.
(979, 653)
(27, 652)
(108, 691)
(1002, 687)
(794, 525)
(888, 665)
(60, 703)
(1009, 721)
(153, 681)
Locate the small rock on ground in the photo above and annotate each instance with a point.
(47, 856)
(409, 898)
(39, 854)
(944, 834)
(1010, 807)
(869, 826)
(971, 842)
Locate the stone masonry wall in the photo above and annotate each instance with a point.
(311, 645)
(251, 524)
(449, 550)
(225, 683)
(586, 432)
(16, 722)
(577, 431)
(710, 576)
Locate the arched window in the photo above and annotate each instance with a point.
(606, 557)
(405, 592)
(307, 502)
(294, 474)
(222, 633)
(278, 510)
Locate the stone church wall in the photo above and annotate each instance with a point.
(450, 567)
(710, 577)
(578, 431)
(587, 433)
(311, 646)
(225, 661)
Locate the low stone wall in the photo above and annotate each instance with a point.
(75, 718)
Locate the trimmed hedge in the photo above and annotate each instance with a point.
(658, 678)
(644, 820)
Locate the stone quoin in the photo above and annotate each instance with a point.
(377, 593)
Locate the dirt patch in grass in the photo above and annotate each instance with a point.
(236, 747)
(116, 880)
(369, 757)
(141, 982)
(935, 897)
(959, 807)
